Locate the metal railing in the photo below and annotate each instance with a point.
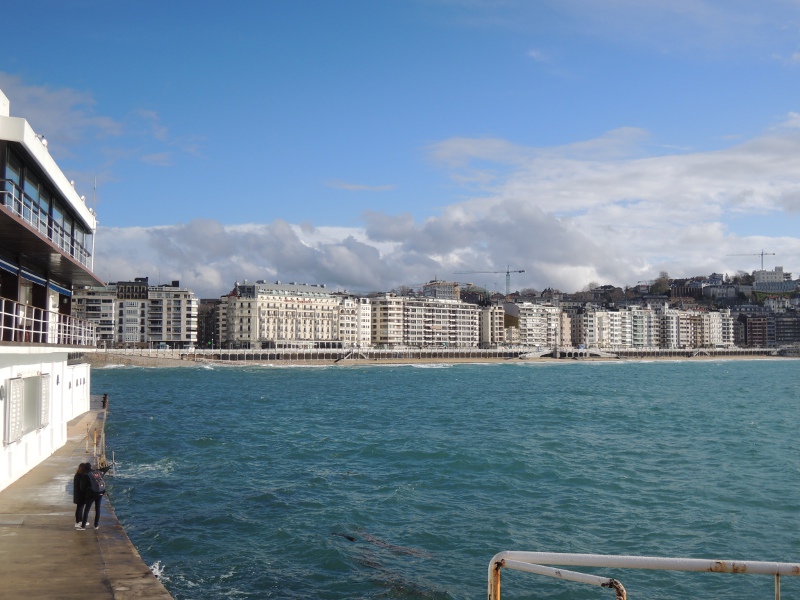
(28, 324)
(533, 562)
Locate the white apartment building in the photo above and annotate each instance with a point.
(645, 327)
(387, 320)
(98, 305)
(606, 330)
(355, 321)
(714, 329)
(424, 322)
(171, 316)
(678, 329)
(541, 325)
(134, 313)
(281, 315)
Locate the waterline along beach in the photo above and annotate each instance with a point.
(402, 481)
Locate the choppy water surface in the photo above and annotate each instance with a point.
(404, 481)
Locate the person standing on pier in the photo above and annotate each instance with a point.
(94, 487)
(78, 493)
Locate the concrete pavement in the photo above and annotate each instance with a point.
(42, 555)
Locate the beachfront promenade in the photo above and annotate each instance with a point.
(151, 357)
(42, 555)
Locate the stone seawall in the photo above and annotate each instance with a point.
(102, 359)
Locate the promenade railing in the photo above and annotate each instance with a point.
(28, 324)
(535, 562)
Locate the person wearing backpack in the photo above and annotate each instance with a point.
(78, 494)
(93, 487)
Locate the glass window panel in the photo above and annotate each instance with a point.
(14, 168)
(44, 201)
(32, 187)
(58, 213)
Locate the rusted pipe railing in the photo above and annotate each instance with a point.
(533, 562)
(494, 577)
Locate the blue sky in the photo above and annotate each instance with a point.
(370, 144)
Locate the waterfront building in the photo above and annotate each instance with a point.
(677, 329)
(206, 323)
(221, 321)
(354, 326)
(387, 320)
(540, 325)
(493, 332)
(713, 329)
(171, 313)
(645, 327)
(280, 315)
(595, 328)
(46, 249)
(139, 315)
(424, 322)
(787, 328)
(758, 330)
(98, 305)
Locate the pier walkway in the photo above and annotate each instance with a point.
(42, 555)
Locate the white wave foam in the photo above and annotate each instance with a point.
(158, 570)
(161, 468)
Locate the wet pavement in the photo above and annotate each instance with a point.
(42, 555)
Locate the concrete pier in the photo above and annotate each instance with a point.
(42, 555)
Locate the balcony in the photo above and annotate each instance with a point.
(21, 323)
(24, 224)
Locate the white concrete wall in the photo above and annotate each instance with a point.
(69, 398)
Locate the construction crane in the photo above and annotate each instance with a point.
(762, 254)
(508, 273)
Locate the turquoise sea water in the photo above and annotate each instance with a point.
(403, 481)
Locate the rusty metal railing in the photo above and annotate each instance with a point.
(534, 562)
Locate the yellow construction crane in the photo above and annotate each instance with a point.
(762, 254)
(508, 273)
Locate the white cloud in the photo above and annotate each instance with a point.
(161, 159)
(599, 210)
(792, 121)
(538, 56)
(66, 117)
(358, 187)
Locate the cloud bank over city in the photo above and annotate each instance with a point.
(598, 210)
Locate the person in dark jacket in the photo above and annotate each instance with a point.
(78, 495)
(90, 498)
